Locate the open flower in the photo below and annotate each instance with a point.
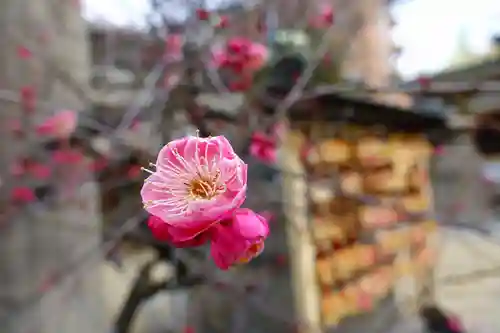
(238, 238)
(61, 125)
(196, 181)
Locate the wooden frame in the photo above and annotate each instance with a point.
(323, 297)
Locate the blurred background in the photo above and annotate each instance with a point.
(75, 251)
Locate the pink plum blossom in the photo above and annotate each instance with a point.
(23, 52)
(61, 125)
(67, 156)
(241, 51)
(133, 171)
(238, 238)
(195, 182)
(22, 194)
(263, 148)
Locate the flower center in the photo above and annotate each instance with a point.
(205, 188)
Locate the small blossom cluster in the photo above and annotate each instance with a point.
(263, 146)
(243, 58)
(194, 195)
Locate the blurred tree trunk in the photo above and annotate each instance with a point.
(368, 47)
(39, 242)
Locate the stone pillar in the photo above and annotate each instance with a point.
(461, 195)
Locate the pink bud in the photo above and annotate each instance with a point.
(133, 171)
(202, 14)
(23, 52)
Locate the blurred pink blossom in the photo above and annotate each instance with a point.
(99, 164)
(241, 52)
(327, 15)
(202, 14)
(39, 171)
(67, 156)
(195, 182)
(133, 171)
(23, 52)
(263, 147)
(238, 238)
(28, 98)
(173, 46)
(22, 194)
(61, 125)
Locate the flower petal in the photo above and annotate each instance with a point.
(164, 232)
